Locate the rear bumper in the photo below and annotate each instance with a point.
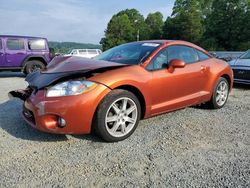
(43, 113)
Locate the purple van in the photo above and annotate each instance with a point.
(24, 53)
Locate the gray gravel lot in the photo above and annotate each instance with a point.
(188, 148)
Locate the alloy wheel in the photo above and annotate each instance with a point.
(121, 117)
(222, 93)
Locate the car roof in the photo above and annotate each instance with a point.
(19, 36)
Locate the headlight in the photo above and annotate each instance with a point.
(70, 88)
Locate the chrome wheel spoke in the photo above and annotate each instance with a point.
(115, 127)
(130, 120)
(111, 118)
(130, 110)
(218, 92)
(116, 109)
(124, 104)
(123, 128)
(218, 98)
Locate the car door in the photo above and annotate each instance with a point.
(15, 52)
(241, 67)
(2, 54)
(180, 88)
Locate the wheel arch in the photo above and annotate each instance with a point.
(138, 94)
(30, 58)
(38, 58)
(227, 77)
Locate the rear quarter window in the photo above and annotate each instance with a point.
(37, 44)
(15, 44)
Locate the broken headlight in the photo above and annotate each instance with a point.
(70, 88)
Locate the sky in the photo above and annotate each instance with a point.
(70, 20)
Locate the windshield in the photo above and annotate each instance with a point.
(132, 53)
(246, 55)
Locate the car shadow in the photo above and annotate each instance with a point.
(12, 74)
(11, 122)
(90, 137)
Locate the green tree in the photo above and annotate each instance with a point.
(155, 24)
(185, 22)
(124, 27)
(137, 22)
(119, 31)
(228, 25)
(206, 7)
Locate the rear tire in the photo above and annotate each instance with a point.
(117, 116)
(220, 94)
(32, 66)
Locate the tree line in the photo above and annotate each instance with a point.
(212, 24)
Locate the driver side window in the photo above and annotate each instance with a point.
(160, 61)
(185, 53)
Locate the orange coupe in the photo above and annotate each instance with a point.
(112, 92)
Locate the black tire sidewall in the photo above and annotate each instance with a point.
(99, 119)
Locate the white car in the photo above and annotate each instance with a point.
(87, 53)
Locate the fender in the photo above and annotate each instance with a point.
(121, 78)
(33, 56)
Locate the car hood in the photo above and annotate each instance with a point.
(64, 64)
(232, 62)
(67, 67)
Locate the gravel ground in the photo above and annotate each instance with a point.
(188, 148)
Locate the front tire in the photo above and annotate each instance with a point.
(220, 94)
(117, 116)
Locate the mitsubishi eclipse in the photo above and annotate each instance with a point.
(112, 92)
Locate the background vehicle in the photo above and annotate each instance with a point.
(24, 53)
(241, 68)
(88, 53)
(112, 92)
(226, 56)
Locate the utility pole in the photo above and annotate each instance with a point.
(138, 34)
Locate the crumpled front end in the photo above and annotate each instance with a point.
(61, 115)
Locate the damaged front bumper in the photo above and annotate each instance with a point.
(22, 94)
(47, 114)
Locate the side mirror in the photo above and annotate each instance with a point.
(176, 63)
